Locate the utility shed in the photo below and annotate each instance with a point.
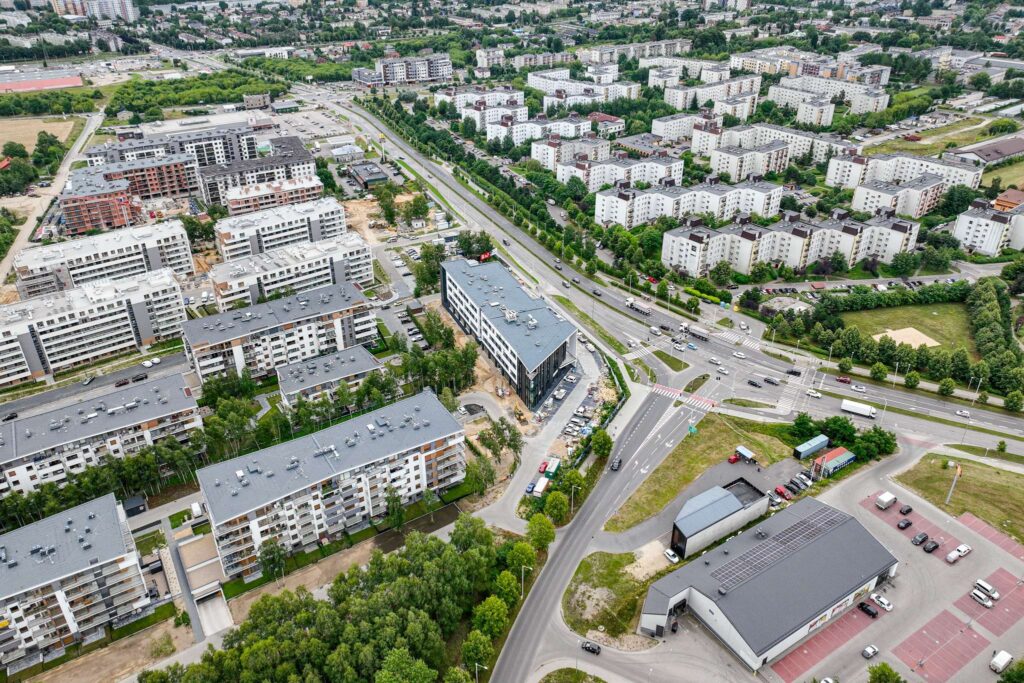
(714, 514)
(833, 461)
(810, 447)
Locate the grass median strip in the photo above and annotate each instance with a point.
(987, 452)
(670, 360)
(747, 403)
(611, 341)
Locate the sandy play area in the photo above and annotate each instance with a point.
(907, 335)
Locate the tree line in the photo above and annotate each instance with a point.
(138, 95)
(70, 101)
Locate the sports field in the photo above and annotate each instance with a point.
(945, 323)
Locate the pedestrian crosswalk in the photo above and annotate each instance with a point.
(693, 400)
(789, 397)
(637, 353)
(735, 337)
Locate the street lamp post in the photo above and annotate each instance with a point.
(884, 408)
(522, 580)
(572, 506)
(895, 374)
(579, 644)
(476, 667)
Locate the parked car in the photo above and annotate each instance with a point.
(881, 602)
(774, 498)
(906, 510)
(543, 467)
(678, 347)
(919, 539)
(785, 494)
(616, 464)
(88, 380)
(714, 361)
(147, 364)
(956, 553)
(771, 380)
(868, 610)
(843, 380)
(592, 648)
(671, 556)
(904, 523)
(121, 382)
(931, 546)
(10, 416)
(530, 487)
(981, 598)
(754, 383)
(723, 371)
(869, 652)
(795, 490)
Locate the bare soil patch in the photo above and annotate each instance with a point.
(26, 130)
(907, 335)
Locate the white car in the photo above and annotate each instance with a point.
(869, 652)
(813, 393)
(859, 388)
(956, 553)
(881, 602)
(671, 556)
(739, 354)
(147, 364)
(678, 347)
(723, 371)
(714, 361)
(156, 360)
(963, 413)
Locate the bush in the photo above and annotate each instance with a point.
(845, 364)
(879, 372)
(947, 386)
(912, 379)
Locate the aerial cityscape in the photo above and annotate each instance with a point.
(546, 341)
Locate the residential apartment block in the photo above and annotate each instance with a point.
(793, 62)
(488, 57)
(320, 377)
(705, 70)
(555, 151)
(266, 336)
(572, 126)
(102, 318)
(483, 115)
(559, 88)
(254, 233)
(609, 54)
(466, 95)
(91, 203)
(680, 126)
(852, 170)
(46, 448)
(707, 138)
(433, 68)
(292, 269)
(798, 243)
(862, 98)
(527, 61)
(247, 199)
(64, 579)
(531, 345)
(987, 231)
(216, 145)
(622, 169)
(288, 159)
(317, 487)
(740, 163)
(170, 175)
(914, 198)
(727, 94)
(630, 208)
(812, 108)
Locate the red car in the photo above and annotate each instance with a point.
(781, 490)
(543, 466)
(734, 458)
(652, 280)
(843, 380)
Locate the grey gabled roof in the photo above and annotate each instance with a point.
(391, 430)
(705, 509)
(816, 556)
(327, 368)
(493, 289)
(69, 554)
(130, 406)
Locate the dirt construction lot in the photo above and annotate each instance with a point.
(26, 130)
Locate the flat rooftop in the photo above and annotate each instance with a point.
(251, 118)
(332, 367)
(111, 412)
(223, 327)
(288, 256)
(281, 470)
(305, 211)
(64, 553)
(85, 183)
(274, 186)
(49, 255)
(777, 577)
(532, 329)
(284, 150)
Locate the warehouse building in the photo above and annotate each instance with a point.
(255, 233)
(314, 489)
(46, 448)
(265, 336)
(63, 579)
(766, 589)
(714, 514)
(531, 345)
(316, 378)
(113, 255)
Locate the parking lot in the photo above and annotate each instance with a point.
(311, 124)
(919, 523)
(794, 665)
(938, 650)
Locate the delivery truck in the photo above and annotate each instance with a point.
(637, 306)
(542, 484)
(862, 409)
(1000, 661)
(884, 500)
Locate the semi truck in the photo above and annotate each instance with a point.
(698, 333)
(641, 308)
(862, 409)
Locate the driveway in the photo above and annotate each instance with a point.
(214, 614)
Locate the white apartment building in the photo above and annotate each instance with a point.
(555, 151)
(114, 255)
(849, 171)
(99, 319)
(466, 95)
(663, 77)
(594, 174)
(46, 448)
(740, 106)
(330, 482)
(561, 98)
(630, 208)
(792, 62)
(558, 81)
(292, 269)
(542, 59)
(64, 579)
(572, 126)
(694, 68)
(680, 126)
(707, 138)
(483, 115)
(915, 198)
(266, 336)
(741, 163)
(863, 98)
(698, 95)
(488, 57)
(255, 233)
(811, 108)
(422, 69)
(320, 377)
(987, 231)
(609, 54)
(794, 242)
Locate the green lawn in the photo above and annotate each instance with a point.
(178, 518)
(747, 403)
(571, 676)
(161, 613)
(601, 579)
(987, 452)
(670, 360)
(150, 542)
(945, 323)
(717, 437)
(1011, 174)
(591, 324)
(994, 495)
(935, 140)
(696, 383)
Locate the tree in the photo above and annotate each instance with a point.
(883, 673)
(803, 427)
(721, 273)
(837, 262)
(540, 531)
(395, 509)
(520, 555)
(905, 263)
(912, 379)
(491, 616)
(401, 667)
(1014, 401)
(476, 649)
(272, 559)
(15, 150)
(448, 400)
(557, 506)
(506, 587)
(468, 128)
(957, 200)
(845, 364)
(980, 81)
(576, 188)
(692, 305)
(947, 386)
(601, 443)
(431, 502)
(457, 675)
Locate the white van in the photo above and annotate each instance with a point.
(987, 589)
(1000, 661)
(981, 598)
(885, 500)
(655, 331)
